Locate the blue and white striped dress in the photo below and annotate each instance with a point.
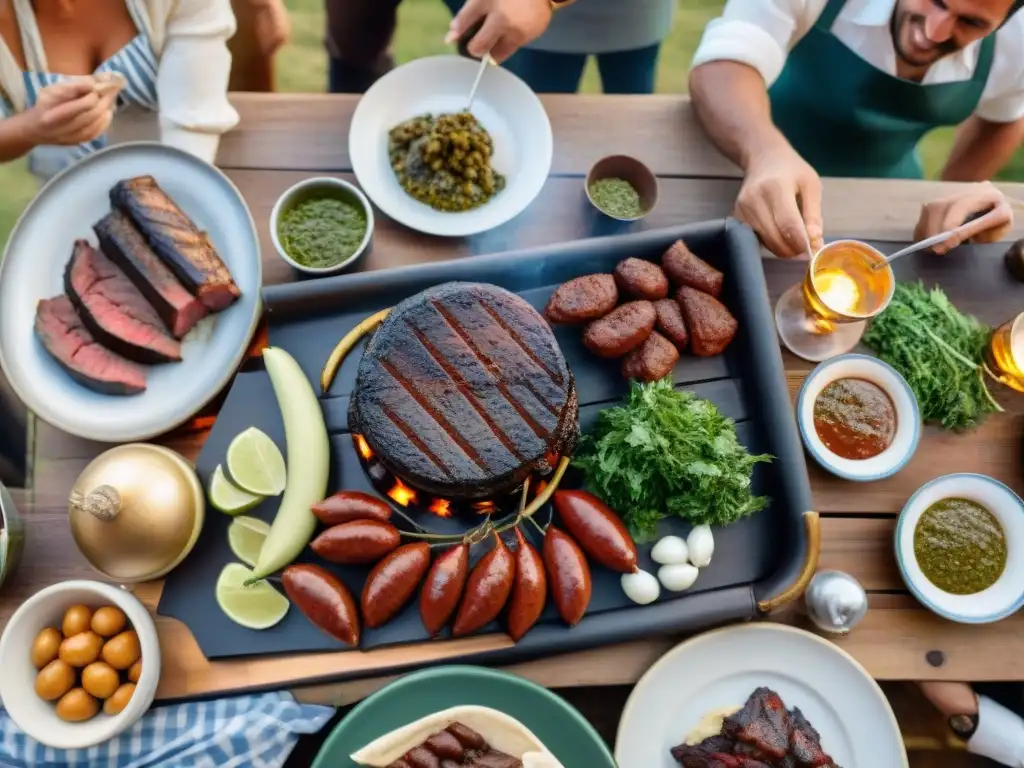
(137, 62)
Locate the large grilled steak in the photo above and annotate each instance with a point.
(176, 240)
(62, 333)
(463, 392)
(114, 310)
(125, 246)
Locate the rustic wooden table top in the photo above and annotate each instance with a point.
(282, 139)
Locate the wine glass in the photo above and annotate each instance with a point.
(825, 315)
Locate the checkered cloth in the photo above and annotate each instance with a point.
(242, 732)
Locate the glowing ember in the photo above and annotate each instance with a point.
(441, 507)
(484, 507)
(539, 487)
(363, 447)
(402, 494)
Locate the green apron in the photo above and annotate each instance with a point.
(847, 118)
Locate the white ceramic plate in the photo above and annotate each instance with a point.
(908, 417)
(722, 668)
(504, 105)
(1004, 597)
(33, 269)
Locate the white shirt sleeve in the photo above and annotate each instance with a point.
(192, 81)
(759, 33)
(1003, 98)
(1000, 734)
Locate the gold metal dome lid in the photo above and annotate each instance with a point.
(136, 511)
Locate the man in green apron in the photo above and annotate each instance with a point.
(792, 90)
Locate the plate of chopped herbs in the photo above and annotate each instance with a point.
(436, 167)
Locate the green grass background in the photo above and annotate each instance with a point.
(301, 66)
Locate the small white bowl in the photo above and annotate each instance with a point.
(1003, 598)
(306, 188)
(46, 608)
(908, 417)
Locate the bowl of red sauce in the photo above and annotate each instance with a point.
(858, 418)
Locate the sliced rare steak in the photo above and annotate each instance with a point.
(114, 310)
(63, 335)
(463, 392)
(125, 246)
(176, 240)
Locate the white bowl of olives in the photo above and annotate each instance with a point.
(81, 663)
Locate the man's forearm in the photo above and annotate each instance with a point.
(981, 149)
(15, 137)
(731, 102)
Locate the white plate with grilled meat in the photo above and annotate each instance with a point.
(505, 107)
(685, 695)
(122, 315)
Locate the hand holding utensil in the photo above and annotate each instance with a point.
(952, 237)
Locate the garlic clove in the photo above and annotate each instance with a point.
(701, 545)
(670, 550)
(641, 587)
(677, 578)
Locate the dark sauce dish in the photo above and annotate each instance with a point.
(878, 402)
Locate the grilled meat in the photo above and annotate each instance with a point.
(805, 743)
(114, 311)
(652, 360)
(700, 757)
(176, 240)
(624, 328)
(671, 324)
(463, 392)
(641, 279)
(63, 335)
(124, 245)
(455, 746)
(712, 327)
(582, 299)
(683, 267)
(763, 723)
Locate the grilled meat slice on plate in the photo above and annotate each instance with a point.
(125, 246)
(176, 240)
(763, 724)
(805, 743)
(463, 392)
(63, 335)
(114, 309)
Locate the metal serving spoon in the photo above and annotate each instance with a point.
(484, 62)
(973, 225)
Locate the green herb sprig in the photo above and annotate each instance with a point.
(666, 452)
(939, 351)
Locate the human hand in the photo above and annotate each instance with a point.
(951, 698)
(272, 24)
(507, 25)
(781, 201)
(953, 211)
(70, 113)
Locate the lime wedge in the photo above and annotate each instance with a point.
(246, 535)
(228, 497)
(255, 463)
(257, 607)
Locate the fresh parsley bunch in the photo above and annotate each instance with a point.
(667, 452)
(939, 351)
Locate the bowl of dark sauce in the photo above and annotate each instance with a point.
(858, 418)
(960, 548)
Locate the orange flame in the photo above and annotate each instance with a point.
(402, 494)
(485, 507)
(441, 507)
(538, 489)
(363, 447)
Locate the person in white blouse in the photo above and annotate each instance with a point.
(989, 728)
(792, 90)
(58, 58)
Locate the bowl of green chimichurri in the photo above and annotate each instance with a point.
(960, 548)
(321, 226)
(622, 187)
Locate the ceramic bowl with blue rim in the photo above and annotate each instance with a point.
(908, 417)
(1006, 595)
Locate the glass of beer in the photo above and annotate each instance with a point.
(1005, 354)
(847, 283)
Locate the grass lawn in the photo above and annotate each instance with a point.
(422, 24)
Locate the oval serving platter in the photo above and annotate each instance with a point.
(33, 269)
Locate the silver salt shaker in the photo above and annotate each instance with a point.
(836, 602)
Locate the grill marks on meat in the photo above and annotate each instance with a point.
(457, 745)
(114, 311)
(464, 392)
(761, 735)
(66, 338)
(176, 240)
(125, 246)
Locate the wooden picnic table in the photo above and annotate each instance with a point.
(282, 139)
